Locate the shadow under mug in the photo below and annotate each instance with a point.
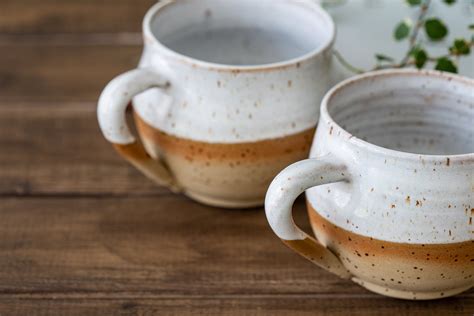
(225, 96)
(389, 185)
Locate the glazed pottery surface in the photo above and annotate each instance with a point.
(390, 183)
(226, 95)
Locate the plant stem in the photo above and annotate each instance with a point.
(346, 64)
(414, 35)
(407, 60)
(413, 41)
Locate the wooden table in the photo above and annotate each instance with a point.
(83, 233)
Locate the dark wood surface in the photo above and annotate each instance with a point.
(83, 233)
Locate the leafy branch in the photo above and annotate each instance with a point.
(417, 55)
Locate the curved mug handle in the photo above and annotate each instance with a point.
(111, 115)
(281, 195)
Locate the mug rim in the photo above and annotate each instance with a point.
(154, 11)
(365, 145)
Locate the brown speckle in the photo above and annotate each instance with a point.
(408, 199)
(448, 162)
(290, 83)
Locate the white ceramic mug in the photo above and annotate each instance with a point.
(225, 96)
(391, 182)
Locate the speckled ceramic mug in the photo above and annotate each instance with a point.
(226, 95)
(391, 183)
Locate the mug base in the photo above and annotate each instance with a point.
(223, 203)
(409, 295)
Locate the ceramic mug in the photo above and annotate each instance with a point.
(391, 182)
(225, 96)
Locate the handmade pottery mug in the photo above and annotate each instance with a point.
(225, 96)
(391, 183)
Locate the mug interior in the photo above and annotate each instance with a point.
(415, 112)
(243, 32)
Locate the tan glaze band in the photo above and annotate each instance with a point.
(231, 175)
(296, 145)
(153, 169)
(319, 255)
(401, 270)
(456, 255)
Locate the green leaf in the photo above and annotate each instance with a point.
(471, 27)
(382, 58)
(435, 29)
(420, 56)
(460, 47)
(413, 3)
(446, 64)
(402, 30)
(449, 2)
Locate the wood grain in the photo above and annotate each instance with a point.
(162, 246)
(169, 256)
(57, 72)
(57, 148)
(84, 233)
(236, 306)
(79, 16)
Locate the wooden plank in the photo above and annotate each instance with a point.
(61, 72)
(237, 306)
(165, 245)
(168, 255)
(64, 16)
(57, 148)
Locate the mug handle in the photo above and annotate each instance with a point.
(281, 195)
(111, 115)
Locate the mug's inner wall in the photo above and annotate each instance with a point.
(242, 32)
(411, 113)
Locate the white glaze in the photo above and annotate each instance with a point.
(374, 201)
(236, 103)
(293, 181)
(257, 96)
(116, 97)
